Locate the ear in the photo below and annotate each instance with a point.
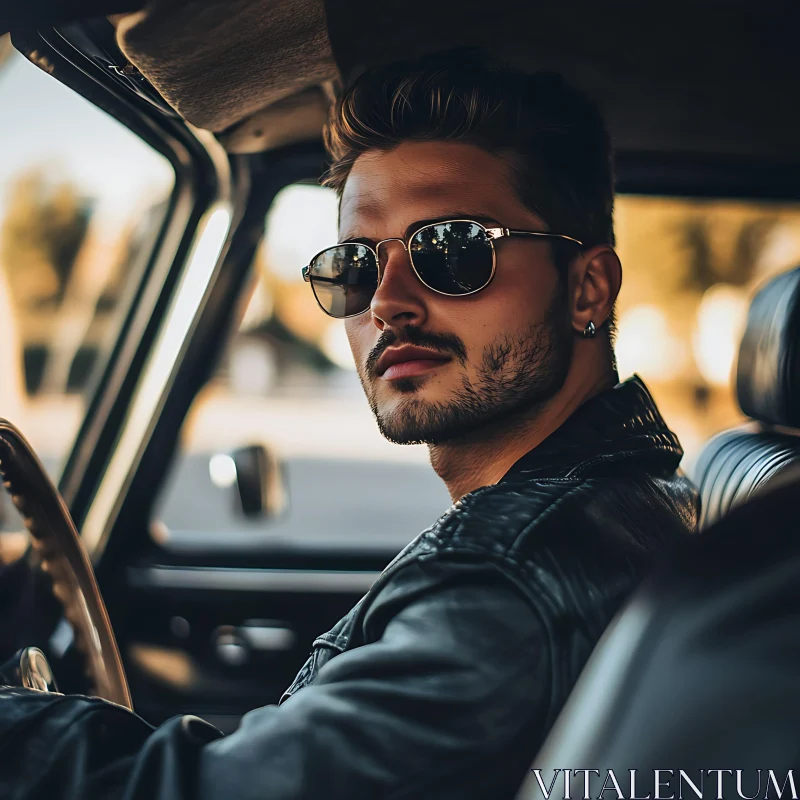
(595, 279)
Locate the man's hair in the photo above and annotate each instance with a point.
(552, 134)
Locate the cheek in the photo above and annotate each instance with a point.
(524, 284)
(518, 297)
(357, 335)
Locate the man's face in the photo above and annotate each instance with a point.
(500, 352)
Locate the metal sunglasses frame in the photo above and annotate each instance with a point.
(492, 234)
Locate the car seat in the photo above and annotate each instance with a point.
(737, 463)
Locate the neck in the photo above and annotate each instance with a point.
(484, 456)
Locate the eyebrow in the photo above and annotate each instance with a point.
(484, 219)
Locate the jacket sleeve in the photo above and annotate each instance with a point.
(447, 697)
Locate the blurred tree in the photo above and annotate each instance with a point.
(701, 273)
(709, 264)
(749, 248)
(40, 236)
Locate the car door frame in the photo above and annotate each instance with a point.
(203, 178)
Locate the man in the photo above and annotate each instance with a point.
(477, 278)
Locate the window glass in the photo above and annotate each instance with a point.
(288, 381)
(690, 268)
(81, 202)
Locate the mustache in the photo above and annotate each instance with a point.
(446, 343)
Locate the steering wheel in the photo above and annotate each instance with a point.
(62, 555)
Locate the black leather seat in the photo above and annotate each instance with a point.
(737, 463)
(701, 669)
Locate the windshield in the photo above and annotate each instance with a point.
(81, 199)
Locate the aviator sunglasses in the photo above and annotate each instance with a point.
(455, 258)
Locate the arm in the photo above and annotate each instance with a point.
(448, 697)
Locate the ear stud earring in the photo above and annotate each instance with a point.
(589, 331)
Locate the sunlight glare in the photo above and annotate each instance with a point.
(646, 345)
(720, 324)
(222, 471)
(303, 220)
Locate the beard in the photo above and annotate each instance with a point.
(518, 372)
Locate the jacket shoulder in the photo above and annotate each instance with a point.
(506, 520)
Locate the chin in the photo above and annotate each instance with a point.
(416, 420)
(399, 420)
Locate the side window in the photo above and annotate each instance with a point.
(285, 419)
(81, 202)
(690, 267)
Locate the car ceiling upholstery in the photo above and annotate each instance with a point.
(688, 76)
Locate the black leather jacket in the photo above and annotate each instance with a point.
(445, 678)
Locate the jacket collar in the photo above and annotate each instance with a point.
(620, 424)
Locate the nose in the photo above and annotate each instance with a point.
(398, 300)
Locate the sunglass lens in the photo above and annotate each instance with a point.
(344, 279)
(453, 257)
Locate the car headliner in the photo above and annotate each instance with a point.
(699, 77)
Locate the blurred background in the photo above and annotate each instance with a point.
(81, 199)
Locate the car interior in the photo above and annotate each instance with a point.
(183, 432)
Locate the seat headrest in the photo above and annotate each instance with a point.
(768, 373)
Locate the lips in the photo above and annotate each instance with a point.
(404, 362)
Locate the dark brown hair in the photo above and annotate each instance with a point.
(552, 134)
